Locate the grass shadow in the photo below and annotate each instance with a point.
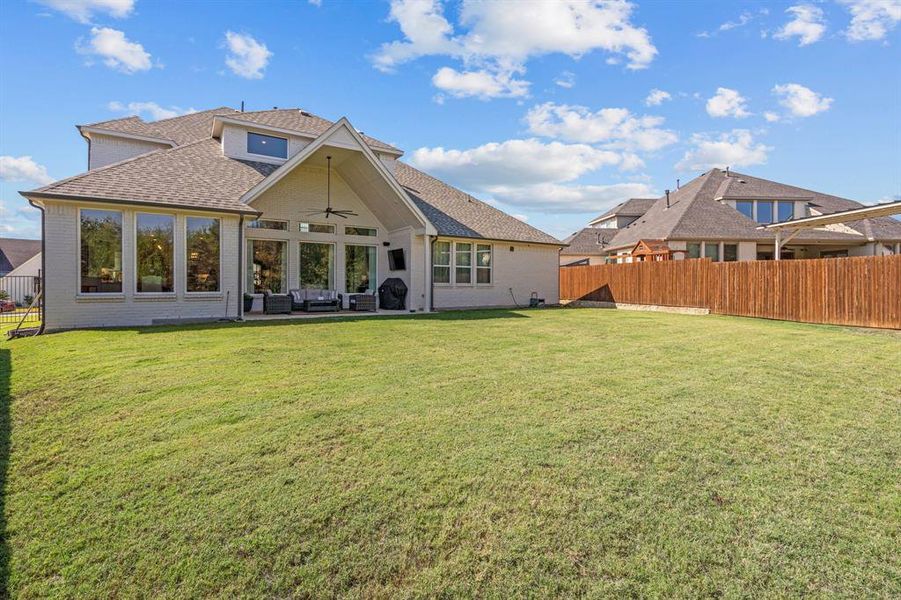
(451, 315)
(5, 432)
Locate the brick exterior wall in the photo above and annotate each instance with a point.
(108, 149)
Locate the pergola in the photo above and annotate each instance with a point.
(787, 230)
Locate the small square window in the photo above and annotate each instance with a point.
(693, 250)
(730, 252)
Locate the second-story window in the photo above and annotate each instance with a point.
(267, 145)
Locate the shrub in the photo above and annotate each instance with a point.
(4, 295)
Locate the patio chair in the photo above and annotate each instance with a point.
(275, 304)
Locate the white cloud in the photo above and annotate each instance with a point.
(801, 101)
(733, 149)
(315, 2)
(497, 39)
(871, 19)
(83, 10)
(530, 173)
(657, 97)
(727, 103)
(616, 127)
(743, 19)
(522, 218)
(771, 117)
(566, 79)
(558, 198)
(807, 24)
(23, 168)
(480, 84)
(116, 51)
(513, 161)
(151, 110)
(22, 221)
(246, 56)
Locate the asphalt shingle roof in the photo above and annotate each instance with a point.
(180, 130)
(590, 241)
(696, 214)
(198, 175)
(456, 213)
(14, 252)
(633, 207)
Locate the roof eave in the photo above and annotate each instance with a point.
(37, 195)
(83, 129)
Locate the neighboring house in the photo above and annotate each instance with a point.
(717, 215)
(14, 253)
(177, 218)
(587, 246)
(20, 264)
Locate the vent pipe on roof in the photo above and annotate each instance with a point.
(678, 185)
(667, 198)
(727, 171)
(242, 106)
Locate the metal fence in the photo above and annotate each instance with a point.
(17, 293)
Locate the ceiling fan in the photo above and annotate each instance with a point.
(328, 207)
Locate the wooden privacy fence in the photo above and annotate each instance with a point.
(863, 291)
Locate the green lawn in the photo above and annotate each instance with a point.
(497, 453)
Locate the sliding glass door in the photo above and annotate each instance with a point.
(317, 266)
(360, 269)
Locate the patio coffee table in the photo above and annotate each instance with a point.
(321, 306)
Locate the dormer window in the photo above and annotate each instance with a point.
(267, 145)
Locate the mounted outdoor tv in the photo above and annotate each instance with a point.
(396, 260)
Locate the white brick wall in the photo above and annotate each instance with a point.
(528, 268)
(107, 149)
(66, 308)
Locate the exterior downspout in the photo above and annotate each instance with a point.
(428, 269)
(241, 268)
(43, 267)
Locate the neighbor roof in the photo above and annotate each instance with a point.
(590, 241)
(694, 213)
(198, 175)
(14, 252)
(633, 207)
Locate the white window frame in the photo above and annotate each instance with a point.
(135, 254)
(248, 258)
(78, 291)
(471, 266)
(449, 266)
(375, 229)
(334, 273)
(250, 225)
(332, 225)
(375, 287)
(267, 156)
(221, 270)
(489, 268)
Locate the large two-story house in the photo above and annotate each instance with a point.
(176, 220)
(718, 215)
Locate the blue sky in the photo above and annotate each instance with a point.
(547, 109)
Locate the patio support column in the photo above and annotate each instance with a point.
(778, 250)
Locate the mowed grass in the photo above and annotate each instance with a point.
(495, 453)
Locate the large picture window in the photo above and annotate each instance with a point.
(745, 207)
(267, 145)
(441, 261)
(266, 268)
(202, 248)
(154, 252)
(359, 269)
(101, 251)
(317, 266)
(693, 250)
(712, 251)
